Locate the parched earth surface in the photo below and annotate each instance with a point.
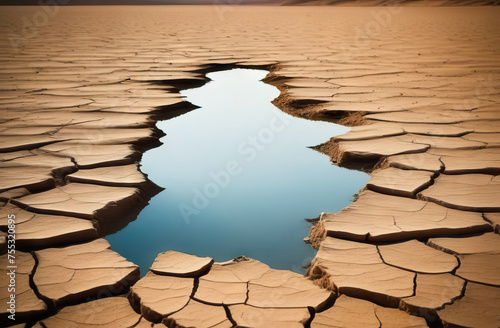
(82, 88)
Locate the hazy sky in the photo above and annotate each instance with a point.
(143, 2)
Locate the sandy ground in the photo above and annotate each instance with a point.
(82, 88)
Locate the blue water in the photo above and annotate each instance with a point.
(239, 178)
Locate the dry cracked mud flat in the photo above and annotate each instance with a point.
(419, 247)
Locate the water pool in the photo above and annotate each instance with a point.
(239, 179)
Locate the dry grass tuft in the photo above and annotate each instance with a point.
(321, 278)
(326, 283)
(241, 258)
(316, 234)
(382, 164)
(335, 153)
(353, 119)
(332, 149)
